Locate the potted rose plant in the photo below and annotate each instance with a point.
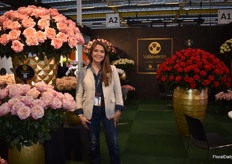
(37, 30)
(194, 69)
(29, 114)
(192, 73)
(225, 97)
(37, 37)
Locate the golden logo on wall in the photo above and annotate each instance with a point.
(154, 48)
(151, 52)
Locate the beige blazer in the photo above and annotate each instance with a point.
(85, 93)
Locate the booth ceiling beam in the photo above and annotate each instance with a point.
(140, 11)
(151, 13)
(20, 3)
(180, 10)
(115, 10)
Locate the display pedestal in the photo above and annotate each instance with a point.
(3, 150)
(76, 143)
(54, 148)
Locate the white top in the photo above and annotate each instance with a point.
(230, 114)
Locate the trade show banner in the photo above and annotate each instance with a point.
(151, 52)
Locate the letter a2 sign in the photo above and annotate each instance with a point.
(112, 20)
(224, 16)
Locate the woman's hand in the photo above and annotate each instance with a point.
(84, 121)
(116, 117)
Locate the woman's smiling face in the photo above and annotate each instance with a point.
(98, 54)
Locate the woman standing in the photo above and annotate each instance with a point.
(99, 100)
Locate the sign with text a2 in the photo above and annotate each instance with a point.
(151, 52)
(112, 20)
(224, 16)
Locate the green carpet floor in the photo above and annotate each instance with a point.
(148, 135)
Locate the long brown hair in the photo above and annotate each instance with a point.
(105, 64)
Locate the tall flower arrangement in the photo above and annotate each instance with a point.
(124, 64)
(226, 49)
(37, 30)
(29, 114)
(110, 48)
(194, 69)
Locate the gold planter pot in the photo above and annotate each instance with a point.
(27, 155)
(192, 102)
(44, 70)
(123, 76)
(71, 118)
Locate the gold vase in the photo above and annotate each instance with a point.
(192, 102)
(71, 118)
(27, 155)
(44, 70)
(123, 76)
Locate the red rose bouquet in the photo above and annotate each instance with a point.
(194, 69)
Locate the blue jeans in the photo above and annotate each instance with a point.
(111, 135)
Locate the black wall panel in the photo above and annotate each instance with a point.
(125, 39)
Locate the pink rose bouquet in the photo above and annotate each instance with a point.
(224, 95)
(3, 161)
(110, 48)
(194, 69)
(37, 30)
(7, 79)
(29, 114)
(66, 83)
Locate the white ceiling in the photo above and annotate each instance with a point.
(134, 13)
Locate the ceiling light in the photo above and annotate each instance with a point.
(115, 6)
(188, 20)
(171, 3)
(146, 21)
(63, 9)
(90, 7)
(167, 21)
(143, 4)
